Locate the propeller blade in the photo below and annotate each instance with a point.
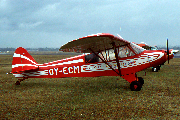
(167, 50)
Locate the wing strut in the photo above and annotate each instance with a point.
(103, 61)
(117, 60)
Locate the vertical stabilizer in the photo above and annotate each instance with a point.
(22, 61)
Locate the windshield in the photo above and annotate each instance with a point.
(154, 48)
(137, 48)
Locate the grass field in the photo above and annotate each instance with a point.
(90, 98)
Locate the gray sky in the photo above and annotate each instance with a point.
(52, 23)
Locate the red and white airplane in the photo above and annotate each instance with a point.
(103, 55)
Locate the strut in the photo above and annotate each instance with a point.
(117, 60)
(106, 62)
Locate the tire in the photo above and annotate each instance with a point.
(141, 80)
(155, 69)
(135, 86)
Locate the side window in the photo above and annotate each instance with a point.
(124, 52)
(91, 58)
(107, 55)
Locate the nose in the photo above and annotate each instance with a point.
(165, 57)
(171, 54)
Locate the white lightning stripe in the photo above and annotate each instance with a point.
(144, 55)
(37, 73)
(69, 62)
(84, 54)
(17, 65)
(18, 75)
(22, 56)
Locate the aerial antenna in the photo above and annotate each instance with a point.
(119, 36)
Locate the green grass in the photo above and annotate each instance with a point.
(89, 98)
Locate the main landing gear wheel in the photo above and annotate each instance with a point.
(141, 80)
(135, 86)
(155, 69)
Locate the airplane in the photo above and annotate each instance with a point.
(148, 47)
(103, 55)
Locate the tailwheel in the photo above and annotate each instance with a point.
(141, 80)
(17, 82)
(135, 86)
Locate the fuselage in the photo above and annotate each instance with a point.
(79, 67)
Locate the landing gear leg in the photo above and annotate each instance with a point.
(159, 66)
(136, 82)
(141, 80)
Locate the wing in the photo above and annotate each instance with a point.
(97, 42)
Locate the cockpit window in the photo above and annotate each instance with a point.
(154, 48)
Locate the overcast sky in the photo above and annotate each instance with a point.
(52, 23)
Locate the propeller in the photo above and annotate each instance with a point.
(167, 51)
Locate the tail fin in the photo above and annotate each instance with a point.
(22, 61)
